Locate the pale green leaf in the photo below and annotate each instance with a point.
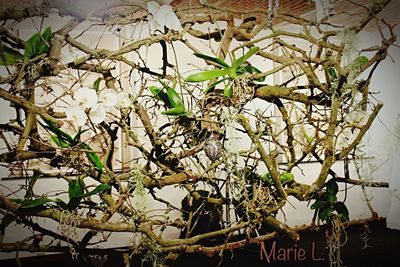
(207, 75)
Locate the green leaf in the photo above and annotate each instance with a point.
(319, 204)
(59, 142)
(178, 111)
(96, 84)
(213, 85)
(77, 136)
(75, 188)
(95, 160)
(306, 136)
(216, 60)
(267, 178)
(331, 190)
(237, 63)
(8, 56)
(37, 44)
(160, 95)
(33, 203)
(92, 156)
(228, 91)
(207, 75)
(361, 60)
(333, 74)
(325, 213)
(44, 41)
(286, 177)
(341, 210)
(174, 98)
(75, 193)
(98, 189)
(51, 126)
(31, 46)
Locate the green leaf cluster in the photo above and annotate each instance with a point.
(75, 192)
(285, 178)
(226, 73)
(171, 99)
(37, 44)
(327, 203)
(64, 140)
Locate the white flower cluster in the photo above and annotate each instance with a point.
(161, 16)
(87, 104)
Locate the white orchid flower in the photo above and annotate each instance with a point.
(108, 98)
(163, 16)
(97, 114)
(76, 115)
(123, 100)
(358, 117)
(86, 97)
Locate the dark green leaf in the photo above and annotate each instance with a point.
(8, 56)
(77, 136)
(75, 193)
(33, 203)
(31, 46)
(342, 210)
(92, 156)
(174, 98)
(228, 91)
(331, 190)
(245, 57)
(216, 60)
(44, 41)
(54, 129)
(96, 84)
(38, 44)
(325, 213)
(98, 189)
(75, 188)
(333, 73)
(95, 160)
(331, 198)
(319, 204)
(59, 142)
(207, 75)
(160, 95)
